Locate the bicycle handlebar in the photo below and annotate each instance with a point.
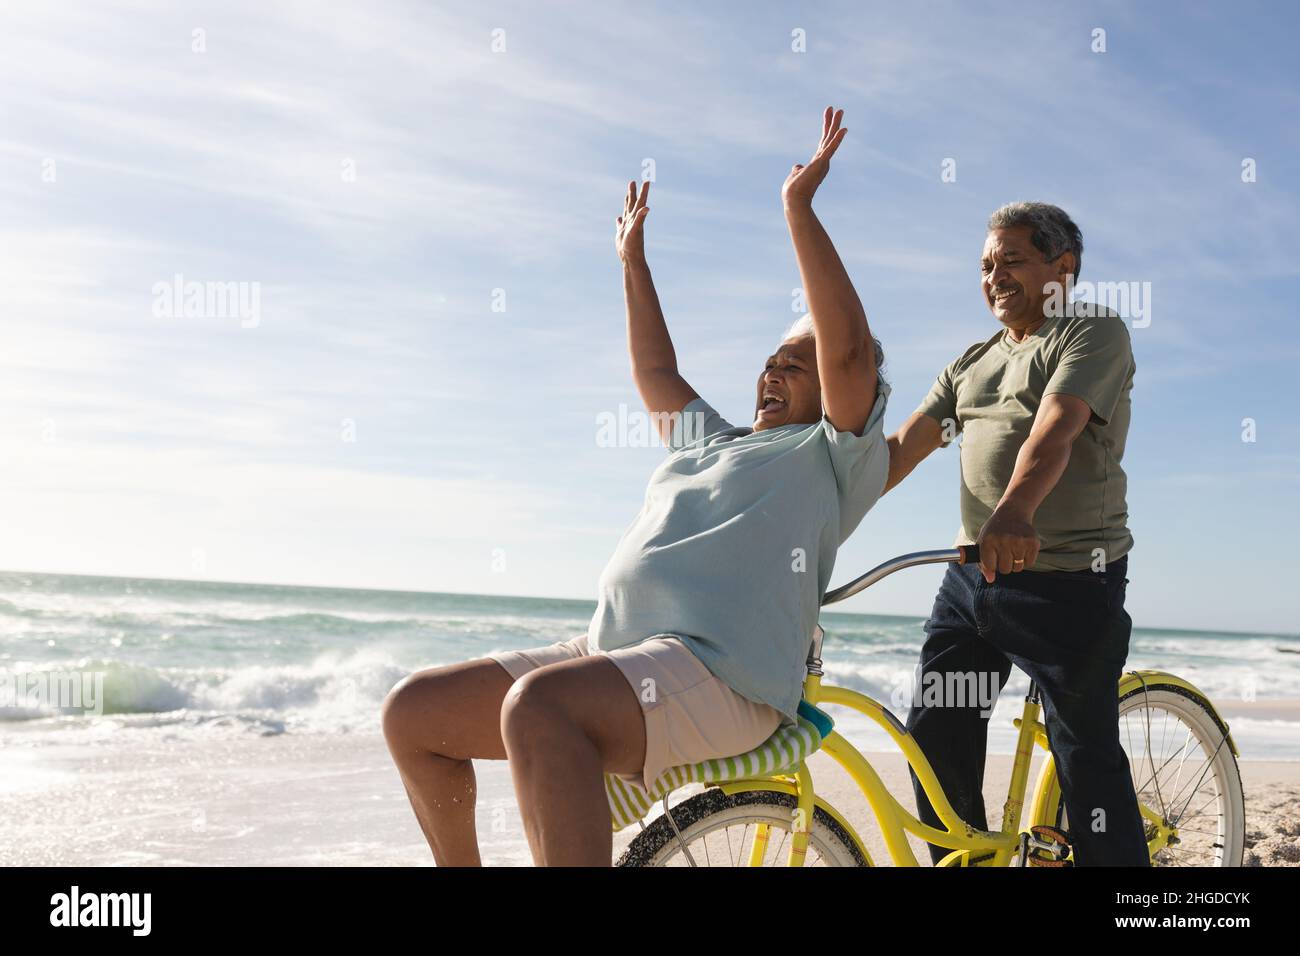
(963, 554)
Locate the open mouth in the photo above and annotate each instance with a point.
(771, 405)
(1003, 297)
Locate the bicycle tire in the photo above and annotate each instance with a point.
(714, 811)
(1227, 846)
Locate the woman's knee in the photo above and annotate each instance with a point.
(414, 693)
(532, 707)
(587, 704)
(451, 708)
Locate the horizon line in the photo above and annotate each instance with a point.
(531, 597)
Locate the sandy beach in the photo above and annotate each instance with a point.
(327, 800)
(240, 723)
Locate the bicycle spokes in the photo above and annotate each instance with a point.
(1172, 765)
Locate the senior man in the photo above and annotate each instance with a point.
(1043, 410)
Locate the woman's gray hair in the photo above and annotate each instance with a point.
(1054, 232)
(804, 326)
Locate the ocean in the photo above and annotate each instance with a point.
(201, 659)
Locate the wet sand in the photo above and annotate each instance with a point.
(337, 800)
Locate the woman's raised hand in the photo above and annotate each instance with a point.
(629, 236)
(803, 180)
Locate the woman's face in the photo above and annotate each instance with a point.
(789, 390)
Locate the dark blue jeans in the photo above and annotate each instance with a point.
(1069, 632)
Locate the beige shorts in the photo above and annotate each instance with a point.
(690, 715)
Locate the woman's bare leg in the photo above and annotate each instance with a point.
(564, 726)
(436, 721)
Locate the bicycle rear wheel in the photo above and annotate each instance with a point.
(1184, 772)
(719, 829)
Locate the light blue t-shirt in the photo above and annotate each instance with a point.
(734, 546)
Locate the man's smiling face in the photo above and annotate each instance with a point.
(789, 389)
(1014, 273)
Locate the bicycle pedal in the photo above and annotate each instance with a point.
(1048, 846)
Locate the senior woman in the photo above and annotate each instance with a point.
(706, 608)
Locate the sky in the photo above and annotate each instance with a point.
(416, 202)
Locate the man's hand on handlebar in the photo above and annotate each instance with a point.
(1007, 543)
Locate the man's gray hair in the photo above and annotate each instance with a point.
(804, 326)
(1054, 232)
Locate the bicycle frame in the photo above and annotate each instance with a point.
(970, 846)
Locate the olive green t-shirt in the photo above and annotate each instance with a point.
(991, 394)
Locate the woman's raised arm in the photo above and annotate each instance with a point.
(654, 362)
(846, 361)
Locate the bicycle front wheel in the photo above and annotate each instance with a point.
(1184, 774)
(720, 829)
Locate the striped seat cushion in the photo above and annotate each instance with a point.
(781, 753)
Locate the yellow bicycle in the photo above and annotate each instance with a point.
(1182, 757)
